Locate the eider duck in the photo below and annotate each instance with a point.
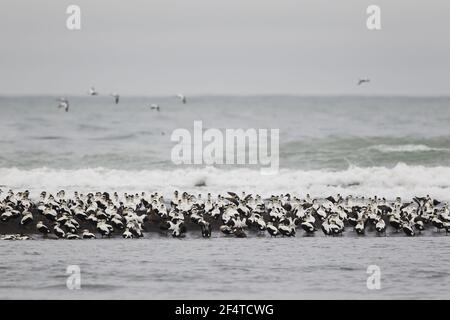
(42, 228)
(226, 229)
(88, 235)
(58, 231)
(407, 229)
(273, 231)
(380, 226)
(127, 234)
(27, 218)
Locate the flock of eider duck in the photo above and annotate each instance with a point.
(95, 215)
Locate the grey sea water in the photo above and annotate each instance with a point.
(227, 268)
(315, 132)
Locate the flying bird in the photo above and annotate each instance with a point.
(116, 97)
(63, 103)
(154, 106)
(92, 91)
(181, 97)
(363, 80)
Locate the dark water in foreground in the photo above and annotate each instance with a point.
(195, 268)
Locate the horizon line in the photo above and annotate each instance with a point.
(77, 95)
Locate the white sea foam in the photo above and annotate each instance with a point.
(405, 148)
(402, 180)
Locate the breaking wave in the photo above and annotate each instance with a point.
(405, 148)
(402, 180)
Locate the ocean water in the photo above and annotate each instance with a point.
(385, 146)
(227, 268)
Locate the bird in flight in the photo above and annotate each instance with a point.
(63, 103)
(92, 91)
(116, 97)
(154, 106)
(363, 80)
(182, 98)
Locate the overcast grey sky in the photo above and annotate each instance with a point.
(158, 47)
